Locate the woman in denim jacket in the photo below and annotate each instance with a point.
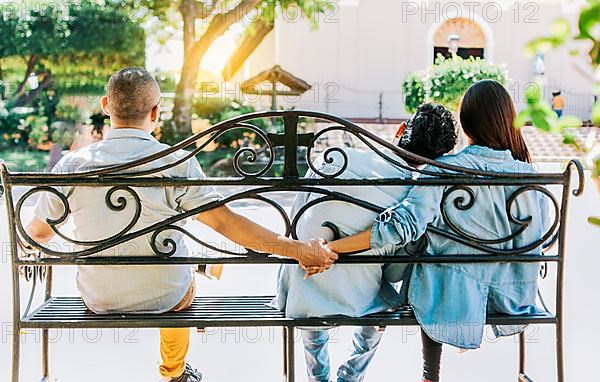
(451, 301)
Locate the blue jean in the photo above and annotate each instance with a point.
(365, 342)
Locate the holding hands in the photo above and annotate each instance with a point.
(349, 244)
(316, 253)
(323, 251)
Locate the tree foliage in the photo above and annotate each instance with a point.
(73, 48)
(447, 80)
(203, 22)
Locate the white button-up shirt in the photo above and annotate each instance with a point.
(128, 289)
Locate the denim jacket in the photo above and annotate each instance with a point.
(451, 301)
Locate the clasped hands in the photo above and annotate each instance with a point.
(318, 256)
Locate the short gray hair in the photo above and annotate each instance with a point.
(132, 93)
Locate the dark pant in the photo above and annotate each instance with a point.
(432, 354)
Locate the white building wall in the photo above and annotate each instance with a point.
(367, 48)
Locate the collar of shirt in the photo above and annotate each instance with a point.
(128, 132)
(488, 152)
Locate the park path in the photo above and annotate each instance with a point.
(226, 355)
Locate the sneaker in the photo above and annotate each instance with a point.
(189, 375)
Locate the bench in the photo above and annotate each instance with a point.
(53, 312)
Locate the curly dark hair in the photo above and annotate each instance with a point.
(431, 132)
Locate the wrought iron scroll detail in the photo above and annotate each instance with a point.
(328, 158)
(169, 245)
(118, 204)
(466, 200)
(290, 140)
(580, 176)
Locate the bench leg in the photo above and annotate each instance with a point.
(522, 356)
(285, 353)
(288, 354)
(16, 355)
(523, 377)
(45, 345)
(560, 360)
(45, 360)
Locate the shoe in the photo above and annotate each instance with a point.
(189, 375)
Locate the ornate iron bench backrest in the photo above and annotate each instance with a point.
(127, 177)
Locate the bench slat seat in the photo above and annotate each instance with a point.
(224, 311)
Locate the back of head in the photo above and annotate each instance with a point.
(487, 115)
(430, 133)
(132, 94)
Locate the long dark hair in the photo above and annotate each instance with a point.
(487, 115)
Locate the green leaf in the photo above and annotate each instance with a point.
(569, 121)
(560, 28)
(587, 20)
(533, 94)
(539, 120)
(594, 220)
(569, 139)
(596, 113)
(522, 119)
(539, 45)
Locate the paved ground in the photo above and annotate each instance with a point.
(254, 355)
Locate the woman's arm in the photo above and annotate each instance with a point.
(407, 221)
(350, 244)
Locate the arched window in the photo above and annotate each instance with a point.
(461, 36)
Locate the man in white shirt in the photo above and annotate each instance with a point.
(132, 102)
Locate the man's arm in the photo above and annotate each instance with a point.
(245, 232)
(39, 231)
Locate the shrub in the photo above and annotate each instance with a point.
(414, 92)
(62, 133)
(68, 113)
(37, 128)
(12, 129)
(446, 81)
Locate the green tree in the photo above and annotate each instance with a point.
(73, 49)
(205, 21)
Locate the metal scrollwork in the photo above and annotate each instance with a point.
(250, 155)
(464, 203)
(169, 245)
(580, 176)
(34, 272)
(328, 158)
(118, 204)
(122, 180)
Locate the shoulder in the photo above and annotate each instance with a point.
(75, 160)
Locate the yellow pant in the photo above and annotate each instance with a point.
(175, 342)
